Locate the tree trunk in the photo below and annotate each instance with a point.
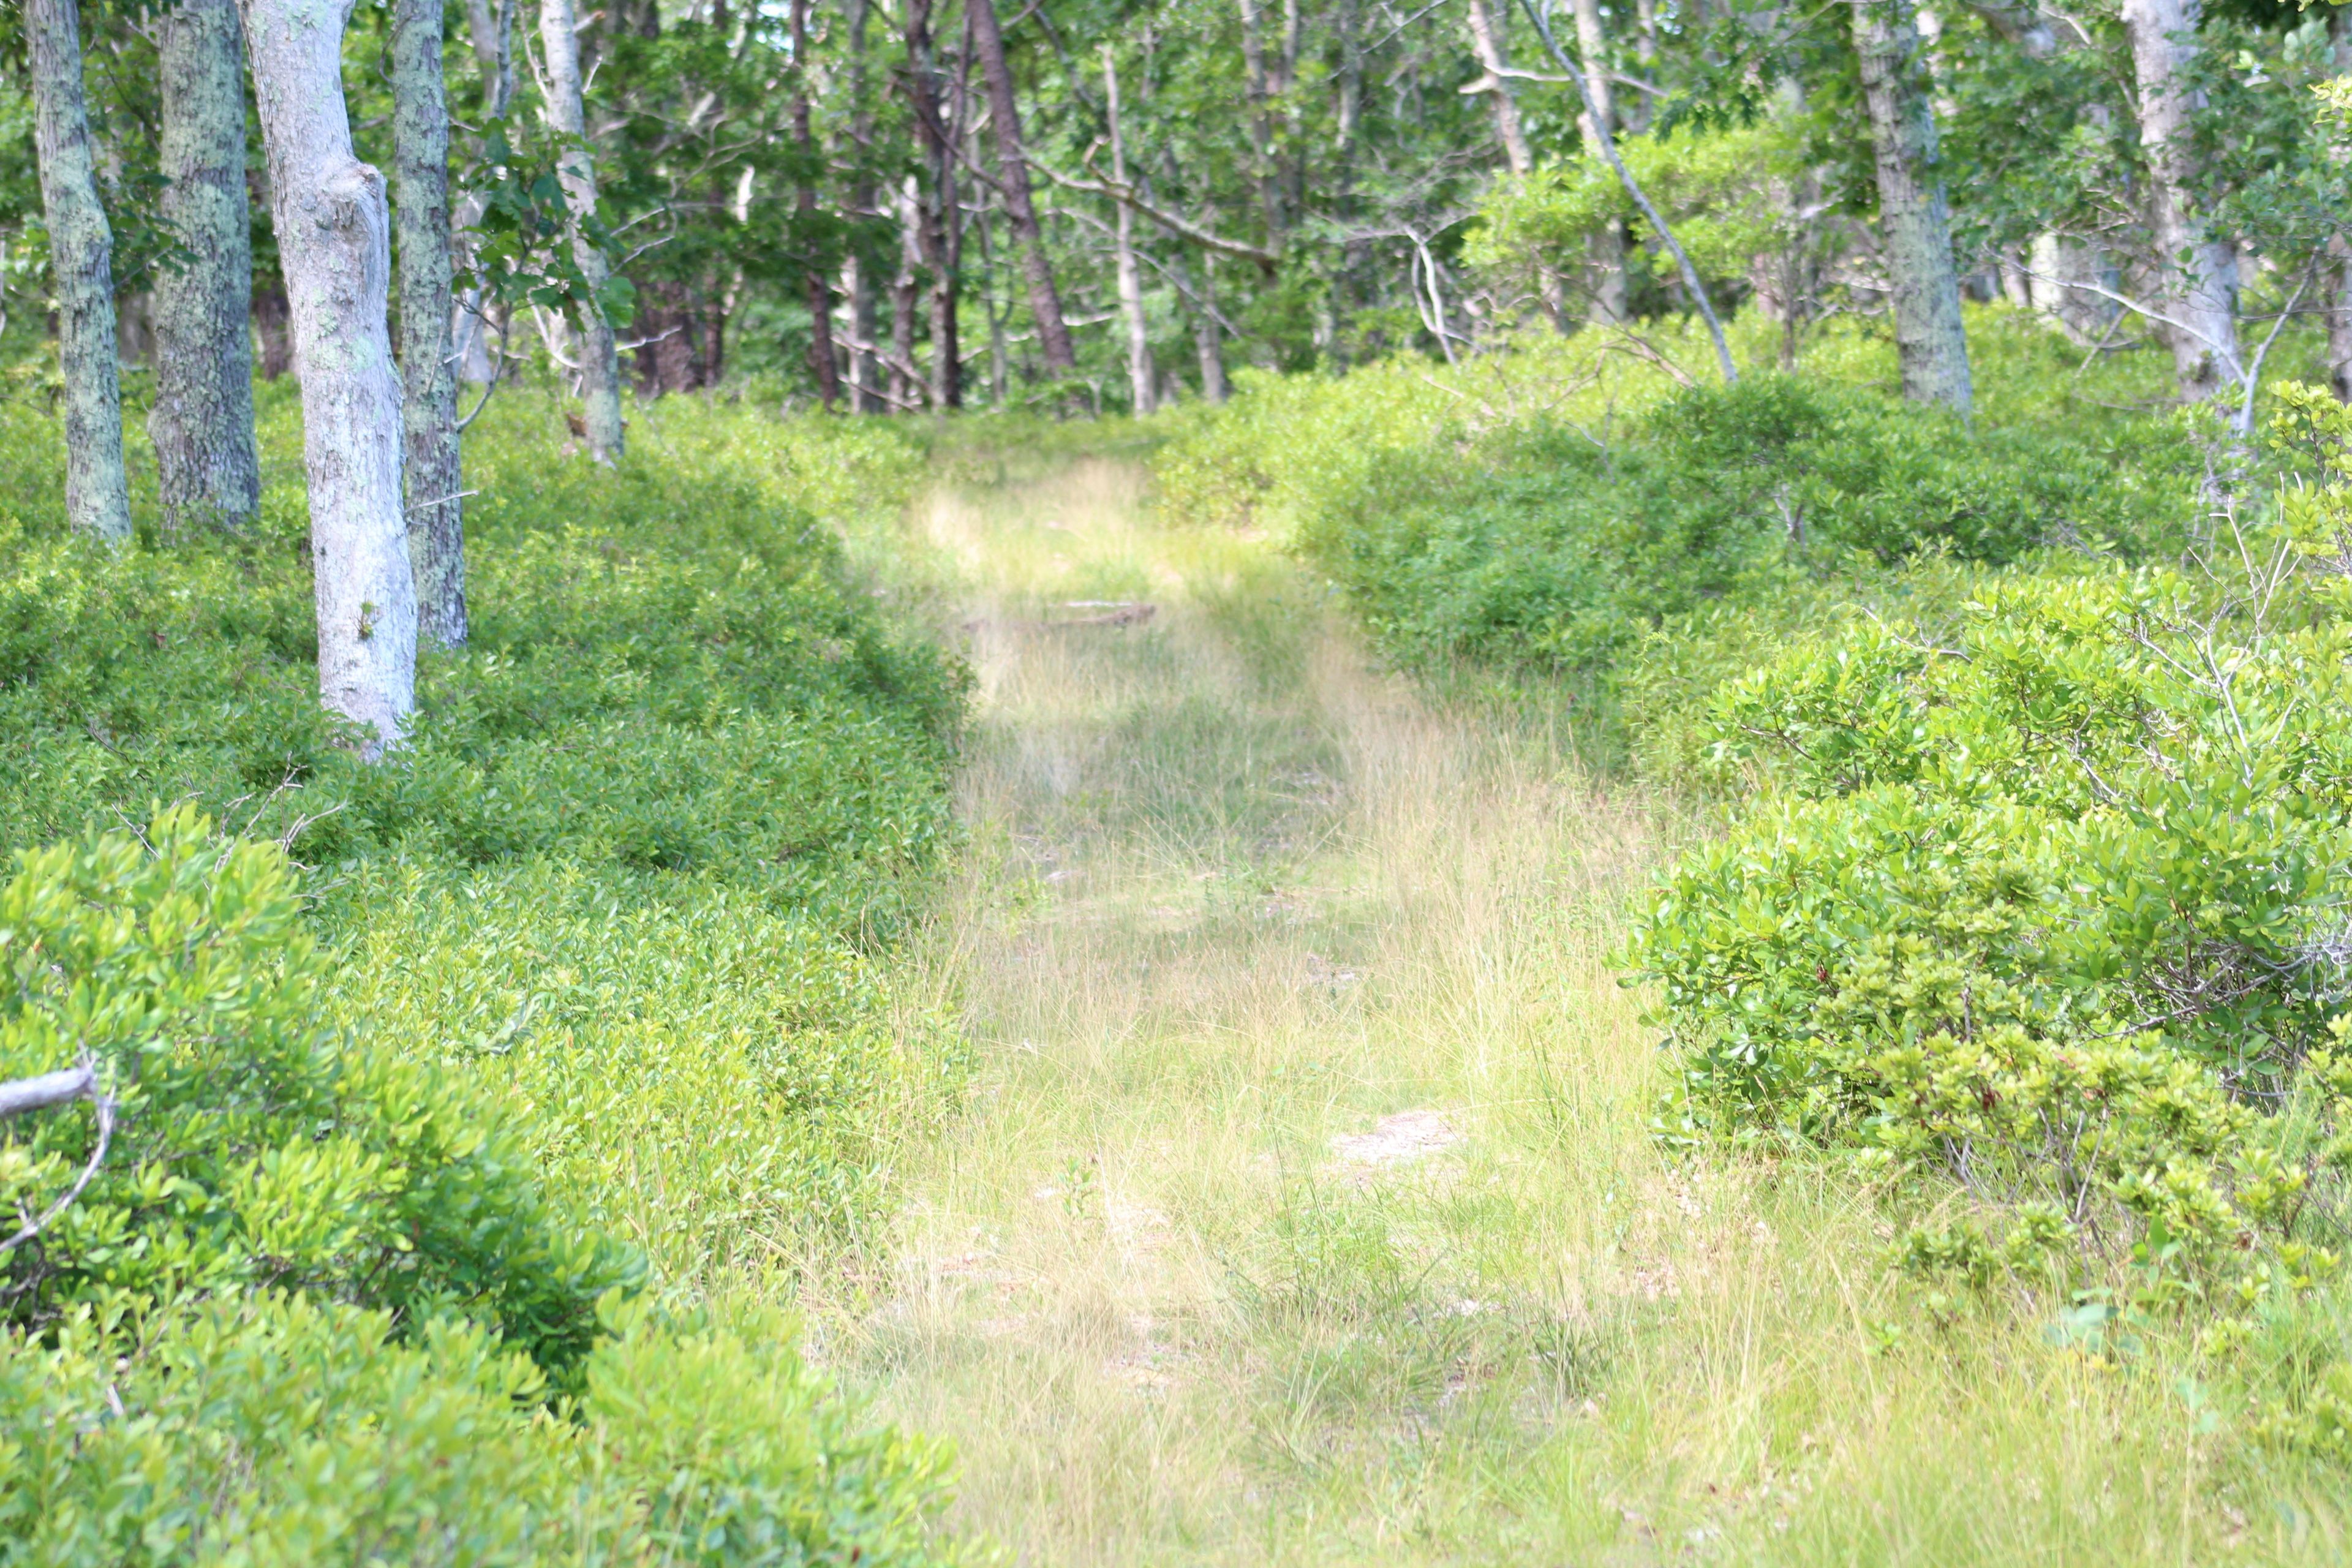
(1915, 228)
(600, 368)
(1261, 122)
(1141, 378)
(2339, 251)
(1012, 176)
(334, 238)
(1609, 297)
(1487, 43)
(81, 264)
(857, 275)
(820, 293)
(938, 233)
(904, 388)
(1207, 344)
(273, 324)
(2199, 272)
(208, 472)
(420, 139)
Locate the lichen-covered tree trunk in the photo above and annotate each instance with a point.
(334, 245)
(420, 142)
(2198, 269)
(207, 470)
(1915, 228)
(81, 266)
(600, 365)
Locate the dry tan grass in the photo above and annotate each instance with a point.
(1234, 899)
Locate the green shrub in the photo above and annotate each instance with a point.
(2049, 902)
(1557, 550)
(255, 1149)
(279, 1430)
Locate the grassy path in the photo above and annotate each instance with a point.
(1305, 1209)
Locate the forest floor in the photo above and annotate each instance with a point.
(1304, 1206)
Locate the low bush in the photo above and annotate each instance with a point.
(2041, 914)
(419, 1069)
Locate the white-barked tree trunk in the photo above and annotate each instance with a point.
(600, 367)
(334, 245)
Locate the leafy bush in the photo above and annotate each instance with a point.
(279, 1430)
(255, 1148)
(2050, 904)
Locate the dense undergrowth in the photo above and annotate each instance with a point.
(2030, 786)
(461, 1097)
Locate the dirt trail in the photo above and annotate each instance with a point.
(1294, 1047)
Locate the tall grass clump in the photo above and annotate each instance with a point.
(449, 1106)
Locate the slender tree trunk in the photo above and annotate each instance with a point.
(1261, 120)
(2339, 250)
(600, 368)
(1915, 228)
(820, 294)
(1141, 378)
(208, 472)
(2199, 271)
(1013, 175)
(857, 282)
(938, 233)
(1207, 344)
(490, 32)
(334, 237)
(1636, 115)
(81, 264)
(1486, 41)
(273, 324)
(420, 139)
(904, 386)
(1494, 61)
(1609, 297)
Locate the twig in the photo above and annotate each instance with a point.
(57, 1089)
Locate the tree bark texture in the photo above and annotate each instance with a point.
(1012, 176)
(1141, 378)
(600, 367)
(420, 139)
(334, 241)
(1914, 224)
(1607, 254)
(208, 471)
(81, 265)
(2197, 270)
